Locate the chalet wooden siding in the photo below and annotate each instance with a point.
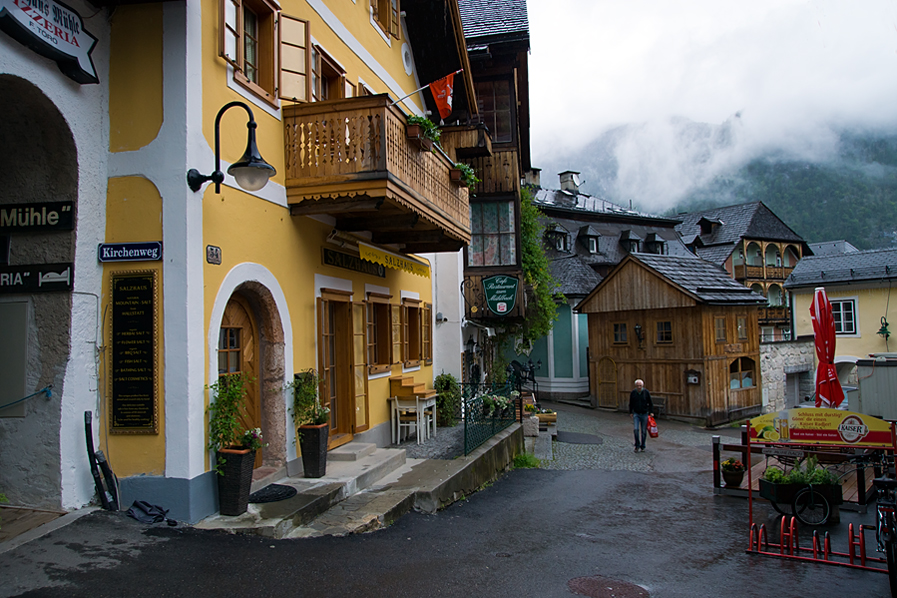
(639, 296)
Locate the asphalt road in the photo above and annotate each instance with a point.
(528, 534)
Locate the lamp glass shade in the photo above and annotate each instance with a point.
(251, 178)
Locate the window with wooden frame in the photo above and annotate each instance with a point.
(620, 336)
(719, 325)
(328, 79)
(742, 328)
(493, 236)
(386, 14)
(379, 338)
(411, 332)
(248, 41)
(741, 373)
(426, 333)
(664, 333)
(268, 50)
(496, 106)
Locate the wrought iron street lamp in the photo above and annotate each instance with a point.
(251, 171)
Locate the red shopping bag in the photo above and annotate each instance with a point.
(652, 427)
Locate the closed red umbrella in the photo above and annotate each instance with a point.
(828, 388)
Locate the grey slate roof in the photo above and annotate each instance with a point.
(710, 283)
(832, 247)
(872, 265)
(576, 278)
(493, 18)
(581, 202)
(750, 220)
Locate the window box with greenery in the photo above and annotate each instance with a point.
(780, 487)
(234, 446)
(311, 419)
(463, 174)
(423, 131)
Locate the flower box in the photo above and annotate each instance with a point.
(416, 134)
(455, 175)
(784, 493)
(547, 417)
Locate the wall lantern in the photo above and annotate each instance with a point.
(251, 171)
(639, 335)
(471, 344)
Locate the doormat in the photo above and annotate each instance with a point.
(577, 438)
(272, 493)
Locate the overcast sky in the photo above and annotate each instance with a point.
(791, 68)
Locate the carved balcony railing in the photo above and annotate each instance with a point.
(352, 159)
(774, 314)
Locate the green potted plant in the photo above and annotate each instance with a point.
(733, 472)
(780, 487)
(448, 398)
(311, 419)
(234, 447)
(464, 174)
(422, 130)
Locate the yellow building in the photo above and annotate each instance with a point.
(858, 284)
(200, 276)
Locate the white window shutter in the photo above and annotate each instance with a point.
(229, 28)
(295, 59)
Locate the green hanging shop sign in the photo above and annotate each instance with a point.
(501, 293)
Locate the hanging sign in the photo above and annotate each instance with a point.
(821, 426)
(130, 252)
(501, 293)
(54, 30)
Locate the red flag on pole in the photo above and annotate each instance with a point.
(442, 93)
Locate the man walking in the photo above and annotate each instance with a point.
(640, 407)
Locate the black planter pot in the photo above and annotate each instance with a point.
(733, 479)
(313, 443)
(234, 485)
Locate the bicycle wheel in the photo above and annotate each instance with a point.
(810, 507)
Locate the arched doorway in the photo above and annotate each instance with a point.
(238, 353)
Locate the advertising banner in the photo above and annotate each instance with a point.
(821, 426)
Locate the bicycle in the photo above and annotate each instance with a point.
(885, 531)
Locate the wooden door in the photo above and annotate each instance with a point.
(238, 353)
(335, 344)
(607, 383)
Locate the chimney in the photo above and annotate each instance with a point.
(570, 181)
(534, 177)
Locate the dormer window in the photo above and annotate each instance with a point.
(588, 236)
(708, 225)
(556, 236)
(630, 241)
(655, 244)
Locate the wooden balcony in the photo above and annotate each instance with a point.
(352, 160)
(770, 315)
(744, 271)
(498, 173)
(466, 142)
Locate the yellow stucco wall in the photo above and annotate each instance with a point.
(135, 76)
(872, 303)
(133, 214)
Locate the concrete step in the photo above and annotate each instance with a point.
(314, 497)
(352, 451)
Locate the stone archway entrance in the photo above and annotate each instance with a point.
(252, 309)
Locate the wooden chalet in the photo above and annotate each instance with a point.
(685, 327)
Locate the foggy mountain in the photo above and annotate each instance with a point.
(826, 184)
